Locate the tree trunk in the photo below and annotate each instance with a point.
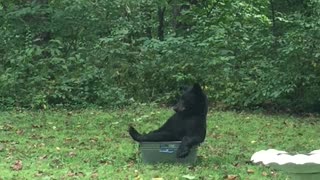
(273, 18)
(175, 15)
(148, 28)
(161, 11)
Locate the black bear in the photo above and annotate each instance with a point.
(188, 124)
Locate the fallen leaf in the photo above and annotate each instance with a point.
(19, 132)
(115, 123)
(107, 139)
(75, 174)
(188, 177)
(2, 147)
(191, 168)
(36, 126)
(157, 178)
(94, 139)
(71, 174)
(264, 173)
(8, 127)
(72, 154)
(273, 173)
(237, 165)
(129, 165)
(250, 171)
(231, 177)
(68, 140)
(136, 176)
(43, 157)
(34, 136)
(17, 166)
(39, 174)
(94, 175)
(56, 163)
(80, 174)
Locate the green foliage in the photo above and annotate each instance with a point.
(107, 53)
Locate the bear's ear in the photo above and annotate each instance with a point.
(196, 87)
(184, 88)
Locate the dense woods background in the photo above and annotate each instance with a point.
(247, 53)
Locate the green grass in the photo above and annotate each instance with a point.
(94, 144)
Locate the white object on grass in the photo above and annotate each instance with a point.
(298, 166)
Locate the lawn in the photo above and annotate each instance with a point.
(94, 144)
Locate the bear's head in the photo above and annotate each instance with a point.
(193, 100)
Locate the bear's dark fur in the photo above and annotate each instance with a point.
(188, 124)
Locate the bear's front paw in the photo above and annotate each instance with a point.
(183, 151)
